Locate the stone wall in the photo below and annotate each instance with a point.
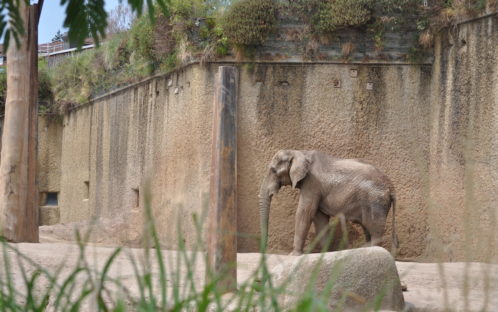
(152, 138)
(463, 172)
(432, 129)
(293, 42)
(49, 167)
(298, 107)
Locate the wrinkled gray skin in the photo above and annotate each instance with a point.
(329, 186)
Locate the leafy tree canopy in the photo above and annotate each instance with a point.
(58, 36)
(84, 18)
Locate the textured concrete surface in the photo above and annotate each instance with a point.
(432, 130)
(114, 145)
(154, 137)
(292, 42)
(49, 155)
(49, 215)
(431, 286)
(297, 107)
(450, 286)
(463, 173)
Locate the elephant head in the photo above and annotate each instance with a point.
(288, 167)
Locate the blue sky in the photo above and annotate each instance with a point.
(53, 15)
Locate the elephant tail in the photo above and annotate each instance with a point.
(395, 237)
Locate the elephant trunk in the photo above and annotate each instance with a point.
(264, 214)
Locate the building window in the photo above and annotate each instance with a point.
(86, 193)
(51, 199)
(136, 195)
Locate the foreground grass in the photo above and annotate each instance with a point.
(160, 283)
(171, 281)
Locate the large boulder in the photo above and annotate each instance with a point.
(352, 280)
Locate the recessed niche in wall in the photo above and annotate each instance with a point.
(52, 199)
(136, 197)
(86, 193)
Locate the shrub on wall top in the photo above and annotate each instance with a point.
(336, 14)
(249, 22)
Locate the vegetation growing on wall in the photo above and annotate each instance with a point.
(443, 13)
(204, 30)
(3, 90)
(333, 15)
(45, 92)
(250, 22)
(146, 49)
(124, 58)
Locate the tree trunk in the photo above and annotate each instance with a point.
(18, 187)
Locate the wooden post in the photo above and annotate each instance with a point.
(222, 223)
(32, 202)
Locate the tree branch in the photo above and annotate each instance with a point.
(40, 7)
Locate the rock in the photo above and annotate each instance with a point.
(359, 277)
(404, 287)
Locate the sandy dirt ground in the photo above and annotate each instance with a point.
(431, 286)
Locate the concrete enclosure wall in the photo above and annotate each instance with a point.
(464, 143)
(154, 138)
(432, 129)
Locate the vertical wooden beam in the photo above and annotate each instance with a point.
(222, 222)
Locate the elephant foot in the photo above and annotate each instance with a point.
(295, 253)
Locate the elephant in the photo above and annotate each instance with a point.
(329, 186)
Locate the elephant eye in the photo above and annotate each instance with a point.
(273, 170)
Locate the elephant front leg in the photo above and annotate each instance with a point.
(322, 229)
(305, 212)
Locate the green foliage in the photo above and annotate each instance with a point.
(44, 83)
(73, 79)
(333, 15)
(145, 49)
(3, 90)
(141, 39)
(205, 30)
(326, 16)
(58, 36)
(169, 63)
(84, 18)
(126, 58)
(45, 94)
(249, 22)
(175, 286)
(186, 9)
(11, 23)
(89, 18)
(416, 54)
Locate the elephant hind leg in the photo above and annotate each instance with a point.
(377, 232)
(374, 222)
(368, 237)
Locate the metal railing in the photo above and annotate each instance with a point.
(47, 48)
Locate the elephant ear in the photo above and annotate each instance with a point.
(299, 167)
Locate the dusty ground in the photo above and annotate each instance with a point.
(431, 287)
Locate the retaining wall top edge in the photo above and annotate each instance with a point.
(234, 62)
